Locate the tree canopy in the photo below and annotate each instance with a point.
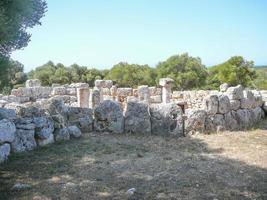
(234, 71)
(188, 72)
(131, 75)
(16, 16)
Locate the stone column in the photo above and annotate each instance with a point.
(113, 92)
(95, 98)
(83, 97)
(166, 84)
(143, 93)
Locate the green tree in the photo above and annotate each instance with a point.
(131, 75)
(187, 72)
(234, 71)
(16, 16)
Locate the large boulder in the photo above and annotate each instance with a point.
(7, 131)
(44, 127)
(231, 122)
(243, 117)
(44, 142)
(166, 119)
(74, 131)
(235, 104)
(7, 114)
(235, 93)
(24, 141)
(215, 123)
(195, 121)
(109, 117)
(137, 118)
(224, 104)
(248, 101)
(210, 104)
(62, 134)
(80, 117)
(4, 152)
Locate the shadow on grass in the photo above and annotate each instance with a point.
(106, 166)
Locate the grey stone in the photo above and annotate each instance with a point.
(109, 117)
(164, 81)
(7, 131)
(195, 120)
(224, 87)
(166, 119)
(33, 83)
(235, 104)
(62, 134)
(211, 103)
(59, 91)
(243, 117)
(264, 107)
(74, 131)
(224, 104)
(81, 117)
(44, 142)
(44, 127)
(216, 122)
(230, 121)
(21, 187)
(4, 152)
(137, 118)
(248, 101)
(235, 93)
(7, 114)
(24, 141)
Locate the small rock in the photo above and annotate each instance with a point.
(131, 191)
(21, 187)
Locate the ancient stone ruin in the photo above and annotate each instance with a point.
(37, 116)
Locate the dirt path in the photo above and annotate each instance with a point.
(219, 166)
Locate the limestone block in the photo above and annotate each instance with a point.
(33, 83)
(224, 87)
(24, 141)
(137, 118)
(7, 114)
(4, 152)
(143, 93)
(210, 104)
(109, 117)
(166, 119)
(61, 134)
(81, 117)
(224, 104)
(195, 120)
(7, 131)
(83, 97)
(59, 91)
(108, 84)
(74, 132)
(124, 92)
(235, 93)
(47, 141)
(235, 104)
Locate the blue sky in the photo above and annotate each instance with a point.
(102, 33)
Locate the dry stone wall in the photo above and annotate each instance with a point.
(37, 116)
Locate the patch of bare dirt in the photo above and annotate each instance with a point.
(218, 166)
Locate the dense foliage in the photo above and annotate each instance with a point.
(187, 72)
(234, 71)
(132, 75)
(16, 16)
(261, 80)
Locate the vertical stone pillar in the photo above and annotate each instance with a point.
(166, 84)
(99, 84)
(95, 98)
(113, 92)
(143, 93)
(83, 97)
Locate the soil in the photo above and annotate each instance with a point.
(230, 165)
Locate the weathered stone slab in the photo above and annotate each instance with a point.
(235, 93)
(74, 132)
(137, 118)
(224, 104)
(195, 121)
(4, 152)
(109, 117)
(210, 104)
(24, 141)
(81, 117)
(166, 119)
(33, 83)
(7, 131)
